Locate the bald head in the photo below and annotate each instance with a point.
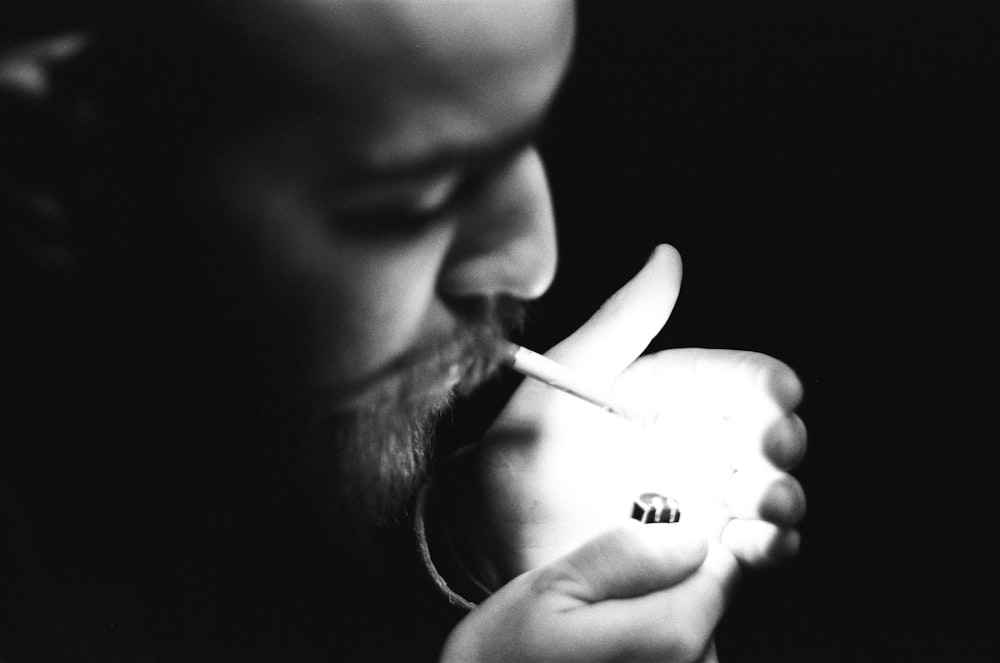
(297, 127)
(372, 60)
(353, 65)
(328, 194)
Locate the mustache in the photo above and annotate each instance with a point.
(466, 356)
(477, 349)
(366, 458)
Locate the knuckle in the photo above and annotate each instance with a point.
(564, 575)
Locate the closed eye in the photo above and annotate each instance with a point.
(395, 210)
(411, 209)
(394, 221)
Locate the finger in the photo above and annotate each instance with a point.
(675, 624)
(648, 592)
(785, 442)
(778, 443)
(766, 495)
(730, 383)
(757, 543)
(630, 561)
(624, 326)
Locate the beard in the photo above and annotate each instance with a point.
(365, 460)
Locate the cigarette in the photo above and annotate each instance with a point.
(541, 368)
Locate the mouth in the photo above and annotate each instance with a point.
(432, 372)
(427, 377)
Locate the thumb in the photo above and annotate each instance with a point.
(633, 560)
(626, 323)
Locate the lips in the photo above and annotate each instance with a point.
(430, 373)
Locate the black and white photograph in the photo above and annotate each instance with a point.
(497, 331)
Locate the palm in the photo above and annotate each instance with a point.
(559, 471)
(554, 471)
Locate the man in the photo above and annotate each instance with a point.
(265, 245)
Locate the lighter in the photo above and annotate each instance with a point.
(656, 508)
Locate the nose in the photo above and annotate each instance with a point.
(506, 238)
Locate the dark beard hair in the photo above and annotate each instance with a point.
(365, 461)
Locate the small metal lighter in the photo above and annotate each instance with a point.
(656, 508)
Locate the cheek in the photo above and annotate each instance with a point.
(347, 306)
(372, 305)
(359, 304)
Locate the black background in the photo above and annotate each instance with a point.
(827, 170)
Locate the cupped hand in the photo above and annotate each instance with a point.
(554, 472)
(636, 593)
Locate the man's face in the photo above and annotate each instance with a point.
(406, 190)
(393, 200)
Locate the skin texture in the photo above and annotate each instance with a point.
(545, 517)
(419, 192)
(553, 480)
(368, 207)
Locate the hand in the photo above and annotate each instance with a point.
(555, 472)
(638, 593)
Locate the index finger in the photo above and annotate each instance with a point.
(626, 323)
(730, 383)
(671, 624)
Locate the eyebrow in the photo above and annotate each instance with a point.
(473, 159)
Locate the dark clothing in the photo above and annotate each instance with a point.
(151, 507)
(197, 557)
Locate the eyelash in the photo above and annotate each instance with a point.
(394, 222)
(400, 222)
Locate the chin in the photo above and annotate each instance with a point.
(364, 463)
(366, 447)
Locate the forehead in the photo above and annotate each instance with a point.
(391, 81)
